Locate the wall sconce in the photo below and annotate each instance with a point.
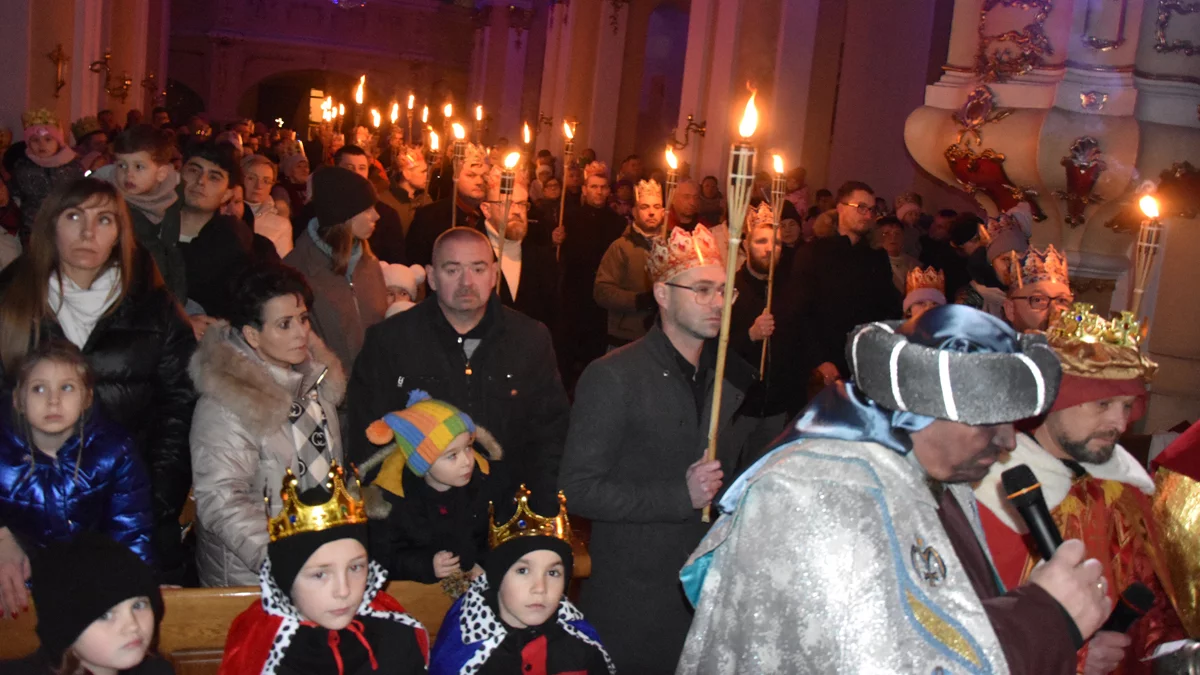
(119, 89)
(150, 84)
(60, 59)
(691, 128)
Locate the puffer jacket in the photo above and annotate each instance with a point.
(242, 445)
(139, 354)
(103, 487)
(32, 184)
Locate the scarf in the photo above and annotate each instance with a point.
(78, 309)
(64, 156)
(153, 204)
(355, 253)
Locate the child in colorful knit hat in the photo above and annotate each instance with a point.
(429, 523)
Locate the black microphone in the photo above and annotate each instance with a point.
(1025, 494)
(1133, 604)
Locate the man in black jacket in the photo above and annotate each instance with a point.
(528, 271)
(430, 221)
(462, 346)
(839, 282)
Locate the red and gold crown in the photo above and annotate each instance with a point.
(595, 169)
(1088, 345)
(925, 278)
(526, 523)
(1035, 266)
(342, 508)
(682, 251)
(759, 217)
(648, 192)
(39, 117)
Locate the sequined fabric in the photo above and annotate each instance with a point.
(835, 561)
(1177, 515)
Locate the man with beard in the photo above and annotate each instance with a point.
(431, 221)
(634, 457)
(409, 181)
(1095, 489)
(854, 546)
(462, 346)
(587, 233)
(528, 272)
(1038, 288)
(622, 283)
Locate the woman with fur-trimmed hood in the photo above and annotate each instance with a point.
(269, 394)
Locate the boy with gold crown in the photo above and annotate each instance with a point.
(1096, 491)
(924, 289)
(323, 610)
(515, 618)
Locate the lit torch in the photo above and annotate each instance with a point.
(1149, 239)
(778, 190)
(459, 153)
(508, 181)
(672, 182)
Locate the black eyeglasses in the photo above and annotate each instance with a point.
(1038, 302)
(705, 294)
(863, 208)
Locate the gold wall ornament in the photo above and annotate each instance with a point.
(60, 60)
(1083, 167)
(979, 109)
(1103, 44)
(1093, 101)
(1002, 56)
(1167, 9)
(118, 87)
(691, 128)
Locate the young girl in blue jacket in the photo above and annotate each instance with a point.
(63, 469)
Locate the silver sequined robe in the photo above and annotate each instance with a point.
(835, 561)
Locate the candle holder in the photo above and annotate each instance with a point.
(1148, 244)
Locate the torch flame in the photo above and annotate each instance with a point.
(395, 112)
(671, 161)
(341, 110)
(412, 100)
(778, 164)
(358, 93)
(749, 119)
(568, 131)
(510, 161)
(424, 114)
(528, 135)
(459, 132)
(433, 141)
(1149, 206)
(478, 113)
(376, 119)
(327, 104)
(448, 110)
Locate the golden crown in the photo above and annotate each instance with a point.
(296, 517)
(38, 118)
(84, 126)
(526, 523)
(759, 217)
(1035, 266)
(925, 278)
(648, 192)
(595, 169)
(682, 251)
(1088, 345)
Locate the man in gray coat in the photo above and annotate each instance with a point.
(622, 285)
(633, 460)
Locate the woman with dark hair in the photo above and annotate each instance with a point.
(269, 391)
(83, 279)
(349, 294)
(712, 202)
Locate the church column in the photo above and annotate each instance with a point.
(17, 56)
(87, 88)
(130, 39)
(710, 92)
(598, 127)
(498, 68)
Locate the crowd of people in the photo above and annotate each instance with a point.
(425, 370)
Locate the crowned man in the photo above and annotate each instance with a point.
(622, 283)
(409, 181)
(1095, 489)
(432, 220)
(528, 272)
(1038, 288)
(855, 545)
(633, 460)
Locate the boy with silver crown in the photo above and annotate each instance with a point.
(515, 618)
(323, 609)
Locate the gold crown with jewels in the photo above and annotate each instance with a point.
(648, 192)
(526, 523)
(1088, 345)
(40, 117)
(925, 278)
(1035, 266)
(296, 517)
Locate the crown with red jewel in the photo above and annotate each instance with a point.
(1036, 266)
(682, 251)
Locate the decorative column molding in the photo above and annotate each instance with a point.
(793, 78)
(87, 88)
(599, 129)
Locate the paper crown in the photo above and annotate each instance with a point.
(682, 251)
(1036, 266)
(409, 156)
(648, 192)
(473, 154)
(759, 217)
(526, 523)
(1088, 345)
(296, 517)
(595, 169)
(40, 117)
(84, 126)
(925, 278)
(292, 147)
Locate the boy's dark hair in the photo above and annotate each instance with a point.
(144, 138)
(258, 285)
(634, 156)
(348, 150)
(851, 186)
(965, 228)
(823, 193)
(889, 221)
(544, 153)
(223, 154)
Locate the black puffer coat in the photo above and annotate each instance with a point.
(139, 354)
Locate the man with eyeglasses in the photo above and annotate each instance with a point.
(840, 282)
(528, 273)
(1038, 288)
(633, 462)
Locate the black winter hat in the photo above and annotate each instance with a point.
(965, 228)
(339, 195)
(504, 556)
(76, 582)
(289, 555)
